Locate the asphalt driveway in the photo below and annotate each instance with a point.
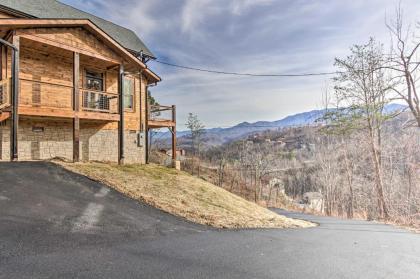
(56, 224)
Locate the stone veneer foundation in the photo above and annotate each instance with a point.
(42, 140)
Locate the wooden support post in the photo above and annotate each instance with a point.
(146, 135)
(76, 107)
(174, 135)
(15, 100)
(1, 62)
(121, 111)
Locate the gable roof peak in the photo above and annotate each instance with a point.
(52, 9)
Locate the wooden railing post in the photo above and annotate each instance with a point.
(121, 111)
(76, 107)
(146, 135)
(15, 100)
(174, 134)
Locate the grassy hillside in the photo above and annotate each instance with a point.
(183, 195)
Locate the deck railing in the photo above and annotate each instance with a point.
(43, 94)
(5, 90)
(99, 101)
(161, 113)
(54, 95)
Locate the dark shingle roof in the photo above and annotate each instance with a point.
(55, 9)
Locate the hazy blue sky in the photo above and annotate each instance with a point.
(255, 36)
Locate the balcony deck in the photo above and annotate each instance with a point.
(160, 123)
(50, 77)
(45, 99)
(164, 117)
(53, 112)
(161, 117)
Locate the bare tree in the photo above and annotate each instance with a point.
(221, 169)
(362, 88)
(404, 46)
(197, 131)
(338, 127)
(327, 177)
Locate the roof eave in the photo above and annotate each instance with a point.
(37, 23)
(15, 12)
(153, 75)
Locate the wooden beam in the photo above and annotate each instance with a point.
(108, 117)
(121, 112)
(174, 135)
(146, 135)
(60, 113)
(4, 62)
(1, 62)
(154, 124)
(48, 112)
(15, 100)
(76, 120)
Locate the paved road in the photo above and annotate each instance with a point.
(55, 224)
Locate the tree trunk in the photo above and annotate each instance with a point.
(410, 186)
(349, 173)
(383, 209)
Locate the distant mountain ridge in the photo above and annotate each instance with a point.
(216, 136)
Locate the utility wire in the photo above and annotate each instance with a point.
(251, 126)
(245, 74)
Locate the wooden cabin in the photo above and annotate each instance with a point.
(73, 86)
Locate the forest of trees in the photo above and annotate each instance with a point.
(363, 158)
(341, 165)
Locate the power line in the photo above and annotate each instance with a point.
(244, 74)
(251, 126)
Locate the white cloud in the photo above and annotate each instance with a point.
(256, 36)
(192, 14)
(239, 6)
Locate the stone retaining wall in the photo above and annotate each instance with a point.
(41, 140)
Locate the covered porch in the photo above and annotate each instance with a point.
(70, 71)
(60, 76)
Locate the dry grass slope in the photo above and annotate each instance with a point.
(181, 194)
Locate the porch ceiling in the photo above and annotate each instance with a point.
(6, 25)
(45, 48)
(66, 53)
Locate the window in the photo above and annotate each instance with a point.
(128, 92)
(94, 81)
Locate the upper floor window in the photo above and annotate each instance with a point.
(128, 92)
(94, 81)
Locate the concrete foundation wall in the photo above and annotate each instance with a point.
(132, 152)
(41, 140)
(54, 141)
(98, 145)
